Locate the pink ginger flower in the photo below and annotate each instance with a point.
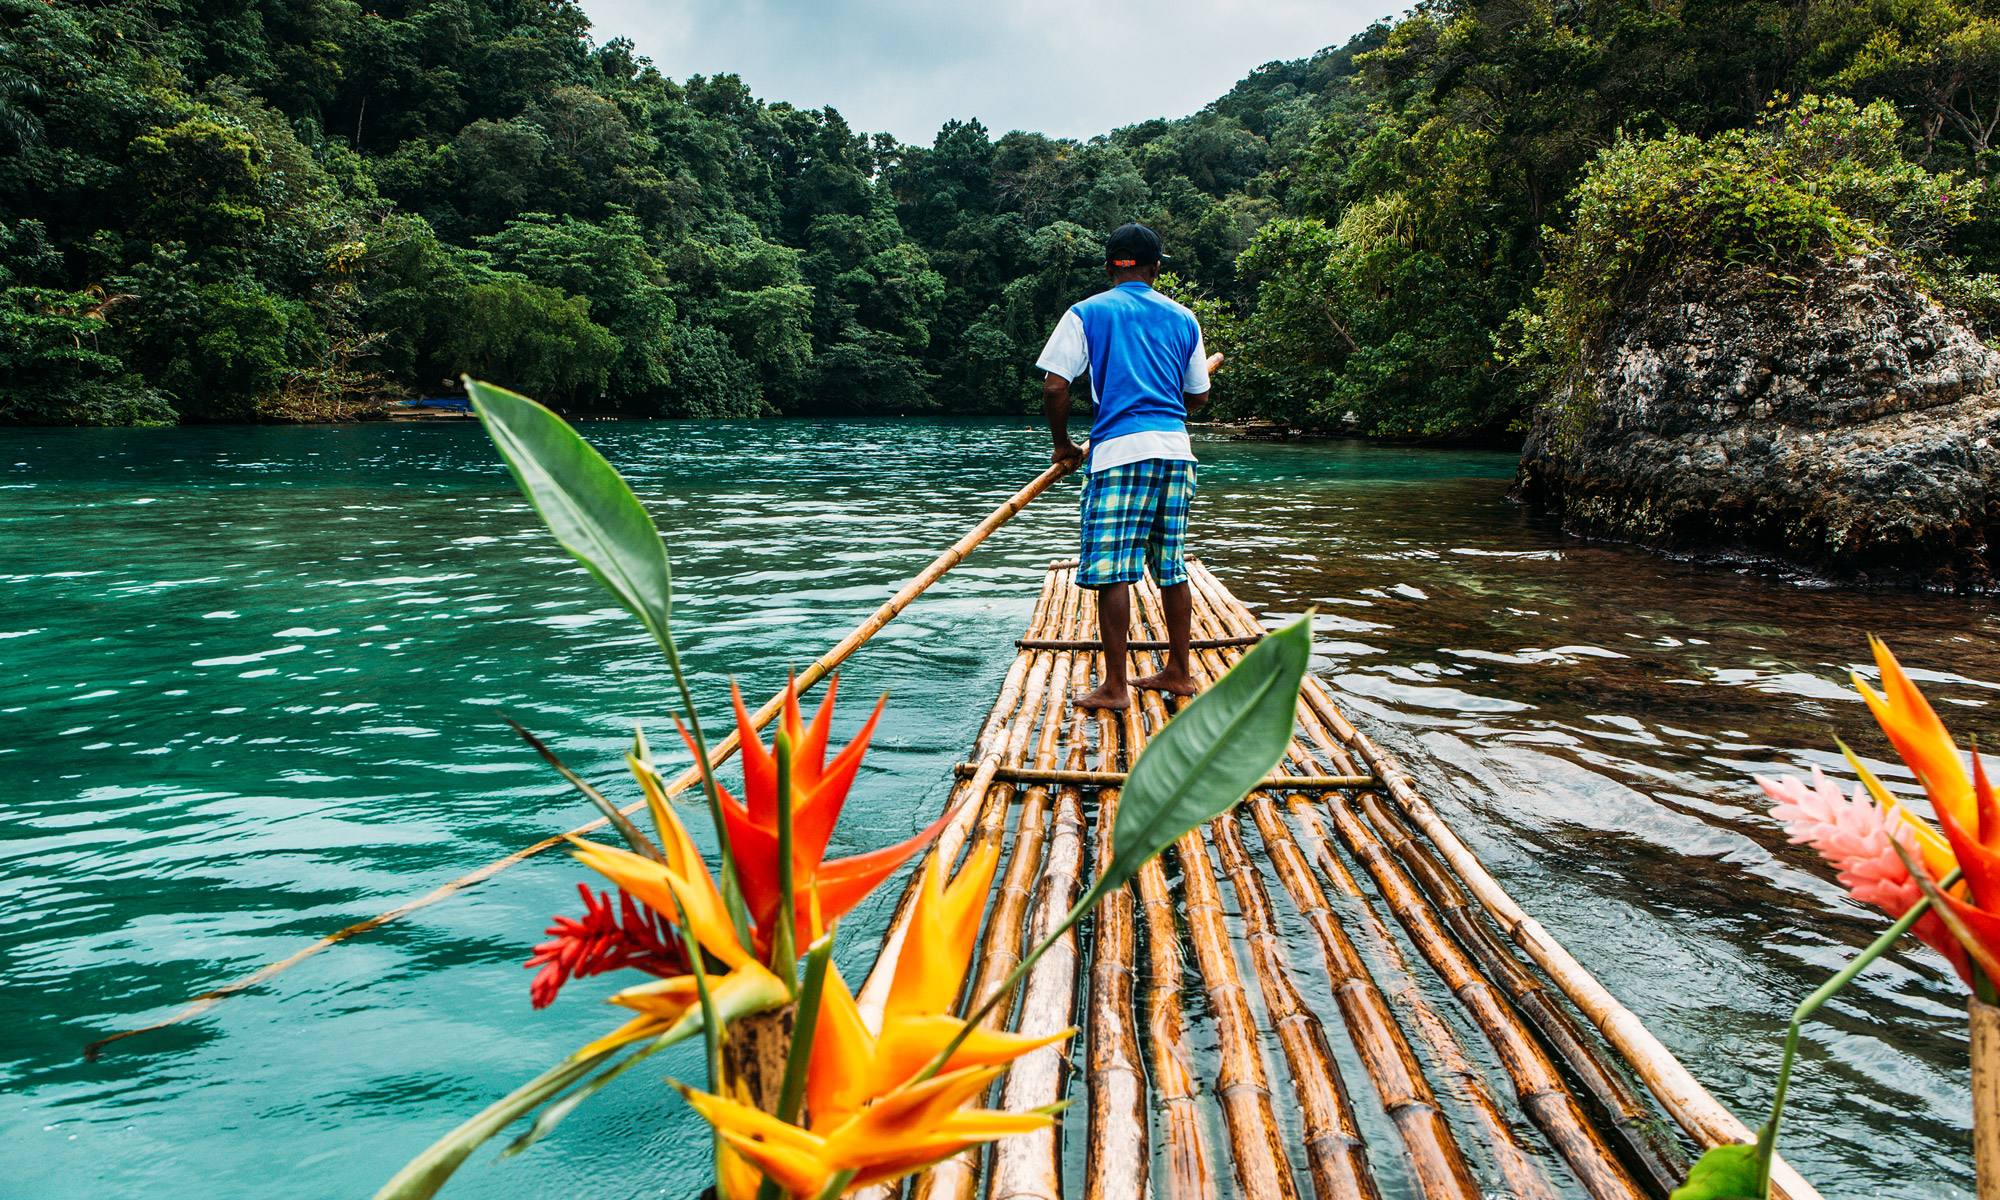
(1854, 836)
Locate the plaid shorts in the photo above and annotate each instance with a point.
(1135, 519)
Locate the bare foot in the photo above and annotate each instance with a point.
(1171, 682)
(1102, 697)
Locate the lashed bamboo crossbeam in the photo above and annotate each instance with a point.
(1081, 778)
(1645, 1142)
(1005, 740)
(1242, 1081)
(1117, 1158)
(1184, 1138)
(1699, 1113)
(1538, 1084)
(1135, 645)
(1435, 1157)
(1029, 1167)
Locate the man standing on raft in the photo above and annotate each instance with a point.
(1147, 370)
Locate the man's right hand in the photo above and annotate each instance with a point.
(1067, 453)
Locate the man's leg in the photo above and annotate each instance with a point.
(1178, 599)
(1112, 555)
(1165, 542)
(1114, 617)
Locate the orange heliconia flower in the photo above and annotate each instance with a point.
(867, 1112)
(822, 891)
(1919, 737)
(850, 1065)
(904, 1132)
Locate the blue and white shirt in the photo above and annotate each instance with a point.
(1144, 352)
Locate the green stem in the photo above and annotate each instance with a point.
(805, 1024)
(1767, 1137)
(732, 893)
(835, 1185)
(784, 939)
(711, 1029)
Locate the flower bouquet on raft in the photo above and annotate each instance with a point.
(1944, 888)
(806, 1097)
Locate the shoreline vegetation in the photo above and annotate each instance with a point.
(254, 211)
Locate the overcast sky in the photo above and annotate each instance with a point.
(1069, 68)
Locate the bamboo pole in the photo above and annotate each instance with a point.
(1379, 1037)
(1435, 1156)
(1242, 1083)
(1336, 1156)
(816, 671)
(1190, 1175)
(1117, 1158)
(957, 1178)
(1029, 1166)
(1699, 1113)
(1134, 644)
(1537, 1083)
(1985, 1097)
(1185, 1134)
(1003, 739)
(1334, 1147)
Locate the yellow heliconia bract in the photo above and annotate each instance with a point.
(868, 1113)
(667, 1004)
(903, 1132)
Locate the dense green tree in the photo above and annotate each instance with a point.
(291, 209)
(532, 339)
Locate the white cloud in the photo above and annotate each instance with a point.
(1069, 68)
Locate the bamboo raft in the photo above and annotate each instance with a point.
(1355, 1086)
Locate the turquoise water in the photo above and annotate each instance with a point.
(251, 683)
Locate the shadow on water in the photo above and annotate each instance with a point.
(250, 682)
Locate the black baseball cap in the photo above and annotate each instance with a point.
(1132, 246)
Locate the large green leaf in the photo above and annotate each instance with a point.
(1211, 754)
(1726, 1172)
(585, 502)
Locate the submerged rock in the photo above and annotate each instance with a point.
(1842, 423)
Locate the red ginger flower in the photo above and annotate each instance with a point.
(634, 936)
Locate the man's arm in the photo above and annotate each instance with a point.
(1195, 400)
(1055, 406)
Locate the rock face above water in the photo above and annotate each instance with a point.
(1847, 426)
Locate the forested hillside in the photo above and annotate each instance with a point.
(223, 210)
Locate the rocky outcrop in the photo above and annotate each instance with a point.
(1842, 423)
